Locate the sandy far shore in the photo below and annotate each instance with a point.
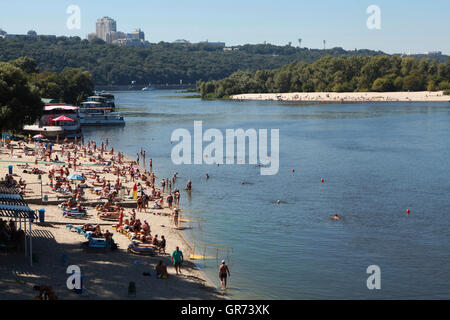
(107, 274)
(419, 96)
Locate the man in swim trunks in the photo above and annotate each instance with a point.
(223, 272)
(177, 259)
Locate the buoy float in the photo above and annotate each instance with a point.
(322, 180)
(407, 211)
(293, 170)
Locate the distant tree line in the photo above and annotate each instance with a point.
(338, 74)
(22, 87)
(160, 63)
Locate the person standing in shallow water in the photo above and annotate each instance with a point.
(223, 273)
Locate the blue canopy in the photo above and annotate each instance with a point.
(75, 176)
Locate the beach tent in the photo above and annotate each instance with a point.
(63, 118)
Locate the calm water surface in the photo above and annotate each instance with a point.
(377, 159)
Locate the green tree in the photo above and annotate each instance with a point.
(20, 102)
(27, 64)
(382, 85)
(413, 82)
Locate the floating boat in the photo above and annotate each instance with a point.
(107, 99)
(148, 88)
(98, 111)
(58, 120)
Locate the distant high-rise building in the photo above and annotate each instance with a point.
(112, 37)
(91, 36)
(103, 26)
(106, 30)
(137, 34)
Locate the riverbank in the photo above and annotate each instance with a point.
(107, 274)
(422, 96)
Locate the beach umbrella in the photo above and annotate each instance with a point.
(63, 118)
(38, 136)
(75, 176)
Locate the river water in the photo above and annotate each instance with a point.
(377, 160)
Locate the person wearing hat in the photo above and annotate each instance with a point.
(223, 272)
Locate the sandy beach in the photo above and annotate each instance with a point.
(422, 96)
(106, 273)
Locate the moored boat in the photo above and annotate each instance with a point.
(98, 112)
(58, 119)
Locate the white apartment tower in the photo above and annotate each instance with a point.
(105, 26)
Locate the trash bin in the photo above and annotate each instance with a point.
(10, 169)
(41, 215)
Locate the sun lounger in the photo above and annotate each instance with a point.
(74, 214)
(141, 248)
(96, 243)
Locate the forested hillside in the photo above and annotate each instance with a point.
(160, 63)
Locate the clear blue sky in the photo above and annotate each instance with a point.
(406, 25)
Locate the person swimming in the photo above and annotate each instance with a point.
(336, 217)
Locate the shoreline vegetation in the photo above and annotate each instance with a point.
(106, 273)
(378, 74)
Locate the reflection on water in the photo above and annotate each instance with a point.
(377, 160)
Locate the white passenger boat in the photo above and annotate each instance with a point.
(96, 113)
(50, 124)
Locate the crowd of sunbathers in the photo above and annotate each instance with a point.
(141, 231)
(97, 233)
(145, 191)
